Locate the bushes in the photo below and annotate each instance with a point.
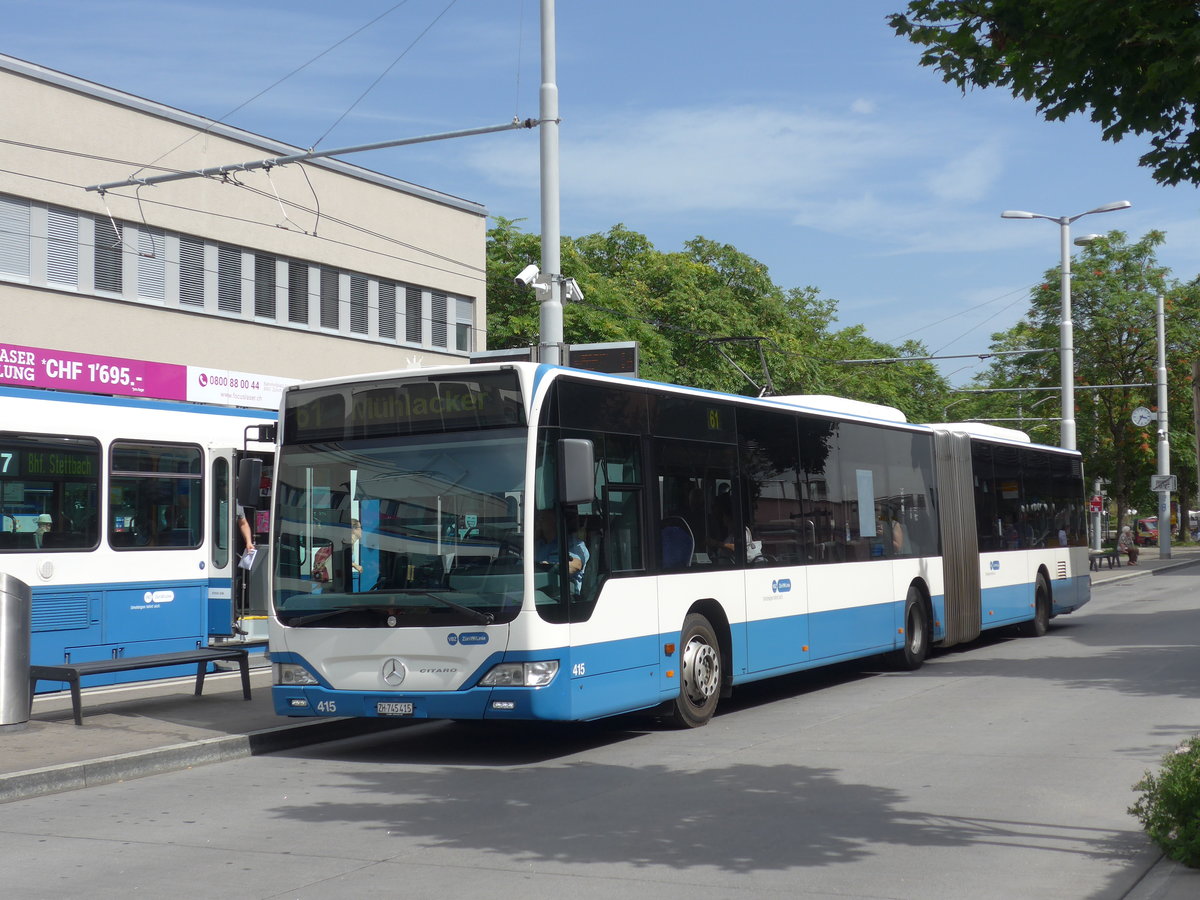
(1169, 808)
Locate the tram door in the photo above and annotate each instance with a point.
(238, 596)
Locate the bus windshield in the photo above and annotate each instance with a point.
(401, 532)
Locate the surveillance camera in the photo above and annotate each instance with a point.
(527, 274)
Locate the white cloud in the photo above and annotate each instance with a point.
(863, 106)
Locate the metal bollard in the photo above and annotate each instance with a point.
(16, 611)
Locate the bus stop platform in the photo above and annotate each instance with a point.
(134, 730)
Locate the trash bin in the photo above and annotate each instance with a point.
(16, 611)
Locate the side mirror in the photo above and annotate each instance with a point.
(249, 477)
(576, 471)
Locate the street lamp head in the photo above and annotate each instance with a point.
(1018, 214)
(1085, 239)
(1109, 207)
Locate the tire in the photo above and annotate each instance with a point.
(912, 655)
(1040, 623)
(699, 673)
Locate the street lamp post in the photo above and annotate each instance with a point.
(1164, 445)
(1066, 339)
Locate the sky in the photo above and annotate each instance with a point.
(802, 132)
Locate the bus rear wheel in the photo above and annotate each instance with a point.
(916, 633)
(1040, 623)
(699, 673)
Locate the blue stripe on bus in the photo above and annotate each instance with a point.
(596, 680)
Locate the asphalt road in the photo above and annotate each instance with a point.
(999, 770)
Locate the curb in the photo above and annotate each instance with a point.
(155, 761)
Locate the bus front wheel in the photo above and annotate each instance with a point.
(699, 675)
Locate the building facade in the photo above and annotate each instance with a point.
(297, 271)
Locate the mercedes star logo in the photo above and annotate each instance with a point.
(394, 671)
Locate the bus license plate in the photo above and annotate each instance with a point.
(389, 708)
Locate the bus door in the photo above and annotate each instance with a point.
(238, 595)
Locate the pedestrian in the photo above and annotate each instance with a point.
(1125, 544)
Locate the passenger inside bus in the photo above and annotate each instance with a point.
(545, 546)
(44, 524)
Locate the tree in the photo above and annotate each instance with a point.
(1131, 63)
(676, 304)
(1113, 298)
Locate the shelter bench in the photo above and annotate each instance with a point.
(201, 656)
(1112, 555)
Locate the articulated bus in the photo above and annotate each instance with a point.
(524, 541)
(119, 513)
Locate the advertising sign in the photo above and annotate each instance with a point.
(61, 370)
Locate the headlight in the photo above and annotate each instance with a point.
(530, 674)
(292, 674)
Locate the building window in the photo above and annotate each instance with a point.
(62, 248)
(14, 236)
(359, 320)
(264, 286)
(298, 293)
(191, 271)
(387, 310)
(132, 260)
(330, 317)
(108, 255)
(464, 321)
(437, 319)
(152, 263)
(229, 279)
(412, 315)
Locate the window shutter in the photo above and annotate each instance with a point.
(191, 271)
(359, 320)
(229, 279)
(264, 286)
(62, 247)
(330, 317)
(14, 236)
(298, 293)
(108, 255)
(412, 315)
(152, 268)
(438, 317)
(387, 310)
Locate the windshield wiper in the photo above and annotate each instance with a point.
(482, 618)
(323, 614)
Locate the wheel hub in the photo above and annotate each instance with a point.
(701, 671)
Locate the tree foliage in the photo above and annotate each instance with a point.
(1114, 286)
(1131, 63)
(676, 304)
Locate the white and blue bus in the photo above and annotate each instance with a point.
(119, 514)
(522, 541)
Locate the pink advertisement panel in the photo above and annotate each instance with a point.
(36, 367)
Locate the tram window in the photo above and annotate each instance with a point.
(49, 493)
(156, 496)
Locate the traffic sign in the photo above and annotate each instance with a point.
(1163, 483)
(1096, 504)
